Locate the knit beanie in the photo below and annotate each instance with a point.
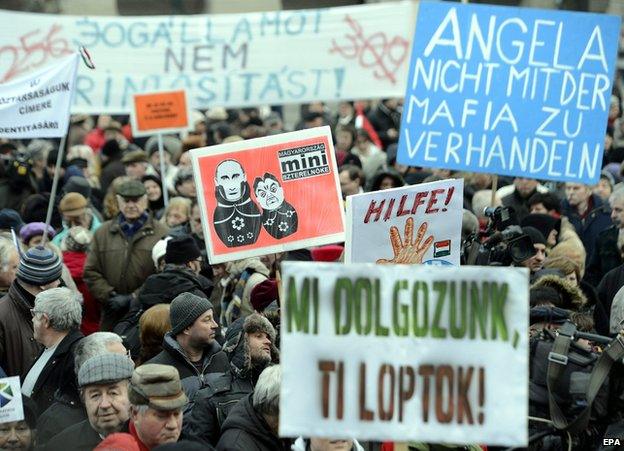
(536, 236)
(182, 249)
(185, 309)
(77, 239)
(542, 222)
(264, 294)
(39, 266)
(10, 219)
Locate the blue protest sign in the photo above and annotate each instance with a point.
(512, 91)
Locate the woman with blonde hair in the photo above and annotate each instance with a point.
(178, 212)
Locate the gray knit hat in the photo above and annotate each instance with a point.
(185, 309)
(105, 369)
(39, 266)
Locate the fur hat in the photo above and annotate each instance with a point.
(572, 298)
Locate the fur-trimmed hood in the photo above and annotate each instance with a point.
(236, 345)
(572, 298)
(235, 268)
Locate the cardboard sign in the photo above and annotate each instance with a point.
(409, 225)
(513, 91)
(402, 353)
(37, 105)
(269, 194)
(11, 407)
(159, 112)
(229, 60)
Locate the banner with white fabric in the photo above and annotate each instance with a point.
(225, 60)
(37, 105)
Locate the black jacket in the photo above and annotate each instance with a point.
(605, 256)
(607, 289)
(518, 203)
(58, 372)
(163, 287)
(246, 430)
(214, 361)
(79, 437)
(65, 411)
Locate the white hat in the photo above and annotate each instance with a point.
(159, 250)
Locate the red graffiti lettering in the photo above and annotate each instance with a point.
(33, 50)
(377, 51)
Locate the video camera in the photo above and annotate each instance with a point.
(502, 244)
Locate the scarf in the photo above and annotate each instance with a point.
(130, 229)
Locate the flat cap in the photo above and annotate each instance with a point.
(131, 188)
(134, 156)
(105, 369)
(157, 386)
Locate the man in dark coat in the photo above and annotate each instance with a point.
(67, 408)
(39, 270)
(524, 188)
(190, 346)
(104, 382)
(386, 120)
(607, 252)
(587, 213)
(250, 348)
(252, 425)
(56, 322)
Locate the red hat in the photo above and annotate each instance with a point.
(263, 294)
(329, 253)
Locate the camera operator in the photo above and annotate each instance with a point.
(535, 262)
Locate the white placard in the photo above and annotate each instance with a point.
(37, 105)
(409, 225)
(11, 407)
(395, 352)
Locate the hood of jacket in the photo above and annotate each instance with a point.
(244, 417)
(162, 287)
(572, 298)
(236, 268)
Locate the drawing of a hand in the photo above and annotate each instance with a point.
(408, 251)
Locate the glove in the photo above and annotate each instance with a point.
(119, 302)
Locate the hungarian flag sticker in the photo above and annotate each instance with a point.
(441, 248)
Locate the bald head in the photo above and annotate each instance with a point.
(230, 176)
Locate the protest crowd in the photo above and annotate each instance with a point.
(125, 337)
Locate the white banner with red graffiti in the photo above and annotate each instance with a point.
(229, 60)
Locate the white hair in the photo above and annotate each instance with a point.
(93, 345)
(617, 194)
(7, 247)
(266, 394)
(62, 307)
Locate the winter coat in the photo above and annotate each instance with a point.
(58, 372)
(214, 361)
(118, 264)
(163, 287)
(383, 119)
(608, 287)
(571, 297)
(213, 404)
(595, 222)
(243, 276)
(75, 262)
(66, 411)
(79, 437)
(605, 257)
(246, 430)
(518, 203)
(18, 348)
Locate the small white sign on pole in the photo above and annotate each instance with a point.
(11, 407)
(37, 105)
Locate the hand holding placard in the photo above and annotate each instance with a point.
(408, 251)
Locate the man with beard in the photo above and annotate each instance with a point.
(236, 218)
(250, 349)
(279, 218)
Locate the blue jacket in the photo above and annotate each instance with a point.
(589, 228)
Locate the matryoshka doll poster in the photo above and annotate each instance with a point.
(270, 194)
